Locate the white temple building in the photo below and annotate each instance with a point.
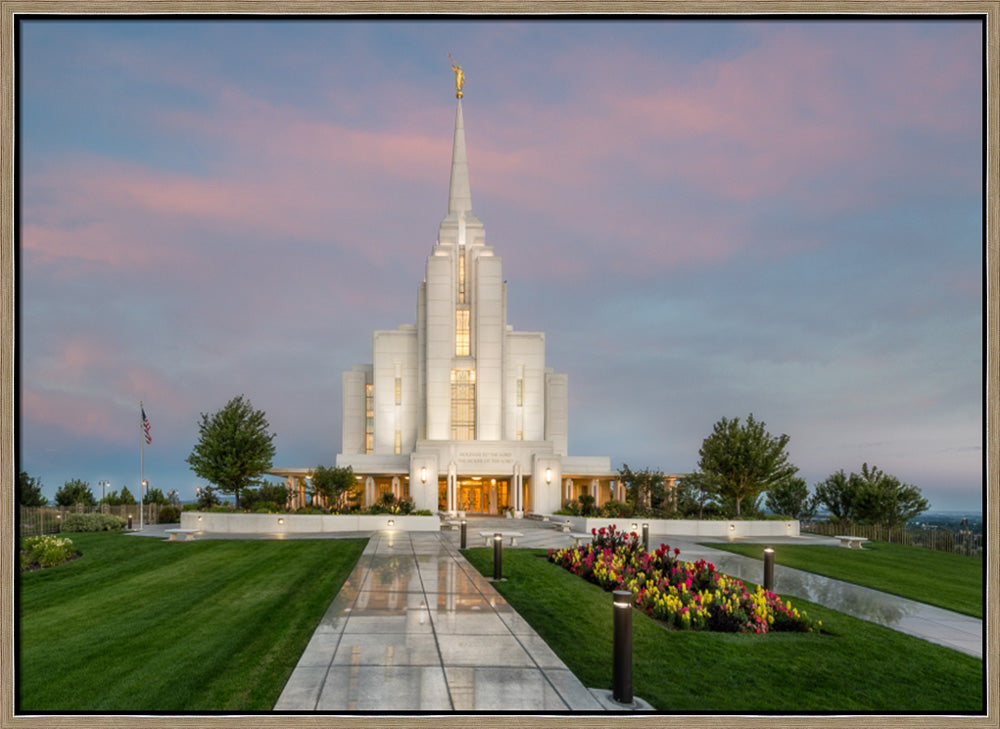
(459, 412)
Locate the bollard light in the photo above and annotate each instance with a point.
(645, 537)
(463, 534)
(769, 569)
(497, 556)
(621, 670)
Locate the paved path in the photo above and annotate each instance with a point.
(417, 628)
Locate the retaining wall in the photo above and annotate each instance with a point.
(688, 527)
(305, 523)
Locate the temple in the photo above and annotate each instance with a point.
(459, 412)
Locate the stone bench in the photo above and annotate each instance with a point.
(488, 537)
(565, 526)
(451, 524)
(579, 538)
(851, 542)
(188, 534)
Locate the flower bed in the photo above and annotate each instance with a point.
(684, 595)
(45, 551)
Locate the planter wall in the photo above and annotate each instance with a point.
(304, 523)
(688, 527)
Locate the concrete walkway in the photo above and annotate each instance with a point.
(416, 628)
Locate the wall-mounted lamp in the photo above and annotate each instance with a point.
(391, 523)
(423, 474)
(548, 475)
(199, 518)
(281, 521)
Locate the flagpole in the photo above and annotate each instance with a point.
(142, 437)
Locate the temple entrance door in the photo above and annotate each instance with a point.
(483, 495)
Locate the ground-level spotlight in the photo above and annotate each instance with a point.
(621, 670)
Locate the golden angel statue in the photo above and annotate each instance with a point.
(459, 77)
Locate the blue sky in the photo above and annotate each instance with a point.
(707, 218)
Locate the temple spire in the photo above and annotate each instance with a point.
(459, 191)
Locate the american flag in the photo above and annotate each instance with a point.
(145, 425)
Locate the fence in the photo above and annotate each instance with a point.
(943, 540)
(47, 520)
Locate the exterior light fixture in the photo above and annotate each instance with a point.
(621, 668)
(199, 517)
(281, 521)
(391, 523)
(548, 475)
(769, 569)
(634, 526)
(423, 474)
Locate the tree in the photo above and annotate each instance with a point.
(791, 498)
(29, 491)
(331, 484)
(125, 498)
(695, 492)
(838, 494)
(155, 496)
(234, 448)
(744, 460)
(643, 489)
(74, 492)
(883, 499)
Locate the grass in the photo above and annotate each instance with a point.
(943, 579)
(138, 624)
(853, 666)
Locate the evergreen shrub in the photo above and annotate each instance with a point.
(92, 523)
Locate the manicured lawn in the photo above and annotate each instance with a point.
(950, 581)
(140, 624)
(854, 666)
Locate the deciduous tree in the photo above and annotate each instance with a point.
(883, 499)
(332, 484)
(234, 448)
(744, 460)
(791, 498)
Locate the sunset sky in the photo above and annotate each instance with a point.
(707, 218)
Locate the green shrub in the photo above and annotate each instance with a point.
(423, 512)
(92, 523)
(266, 507)
(169, 515)
(612, 509)
(587, 504)
(45, 551)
